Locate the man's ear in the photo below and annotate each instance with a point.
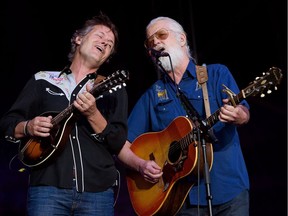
(78, 40)
(183, 39)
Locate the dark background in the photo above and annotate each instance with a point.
(247, 36)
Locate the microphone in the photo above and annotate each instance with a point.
(156, 53)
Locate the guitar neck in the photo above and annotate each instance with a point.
(64, 114)
(272, 78)
(213, 118)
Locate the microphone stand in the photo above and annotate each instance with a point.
(200, 130)
(203, 134)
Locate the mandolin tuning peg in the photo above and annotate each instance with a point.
(269, 91)
(262, 95)
(276, 88)
(110, 91)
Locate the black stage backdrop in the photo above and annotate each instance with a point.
(247, 36)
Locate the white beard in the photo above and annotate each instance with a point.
(177, 56)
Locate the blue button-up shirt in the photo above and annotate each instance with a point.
(159, 106)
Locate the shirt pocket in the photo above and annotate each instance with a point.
(166, 111)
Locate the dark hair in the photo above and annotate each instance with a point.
(101, 19)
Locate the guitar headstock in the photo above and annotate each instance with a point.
(111, 83)
(264, 84)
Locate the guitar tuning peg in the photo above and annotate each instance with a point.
(276, 88)
(269, 91)
(262, 95)
(110, 91)
(257, 78)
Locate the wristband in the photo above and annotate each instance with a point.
(25, 130)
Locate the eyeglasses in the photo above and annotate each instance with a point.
(161, 34)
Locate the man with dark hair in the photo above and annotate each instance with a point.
(71, 153)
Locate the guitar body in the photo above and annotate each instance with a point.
(37, 150)
(167, 196)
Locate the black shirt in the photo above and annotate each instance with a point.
(86, 156)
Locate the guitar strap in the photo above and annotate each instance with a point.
(202, 77)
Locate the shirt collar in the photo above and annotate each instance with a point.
(191, 69)
(67, 71)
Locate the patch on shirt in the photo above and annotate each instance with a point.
(161, 93)
(50, 76)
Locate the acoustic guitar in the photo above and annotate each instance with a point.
(177, 151)
(37, 150)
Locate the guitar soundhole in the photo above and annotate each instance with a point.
(174, 152)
